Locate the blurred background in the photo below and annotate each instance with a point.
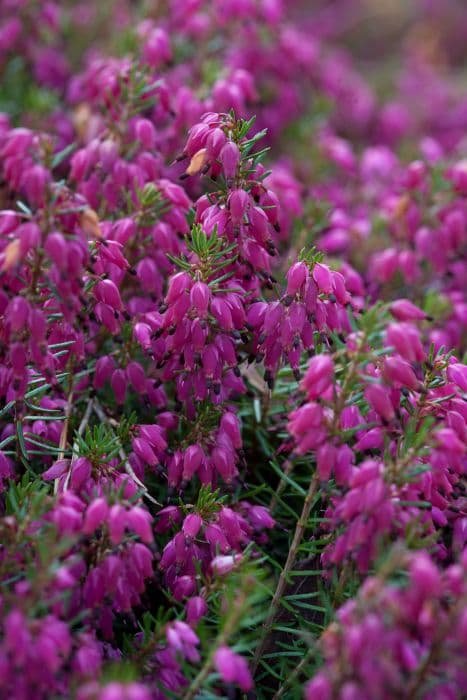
(397, 66)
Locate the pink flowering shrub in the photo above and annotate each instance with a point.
(233, 317)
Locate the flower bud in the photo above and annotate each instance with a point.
(318, 376)
(319, 688)
(230, 158)
(9, 221)
(378, 398)
(397, 370)
(29, 235)
(323, 278)
(238, 203)
(118, 384)
(191, 525)
(457, 374)
(260, 518)
(136, 377)
(230, 423)
(371, 440)
(116, 522)
(196, 608)
(80, 472)
(404, 310)
(57, 470)
(296, 277)
(56, 249)
(210, 359)
(107, 292)
(406, 340)
(192, 459)
(95, 515)
(221, 312)
(424, 575)
(144, 450)
(223, 564)
(183, 587)
(142, 335)
(215, 142)
(17, 313)
(325, 460)
(105, 365)
(123, 230)
(178, 284)
(139, 520)
(200, 297)
(35, 181)
(232, 668)
(145, 133)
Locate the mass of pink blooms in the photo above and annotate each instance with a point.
(233, 324)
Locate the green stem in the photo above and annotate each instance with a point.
(222, 638)
(283, 578)
(290, 680)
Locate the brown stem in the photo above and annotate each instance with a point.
(282, 583)
(421, 674)
(307, 505)
(295, 674)
(222, 638)
(281, 485)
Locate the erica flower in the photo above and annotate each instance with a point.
(318, 376)
(232, 668)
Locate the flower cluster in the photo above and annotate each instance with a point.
(388, 436)
(219, 381)
(405, 638)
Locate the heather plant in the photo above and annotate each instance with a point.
(233, 406)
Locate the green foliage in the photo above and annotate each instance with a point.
(99, 444)
(151, 205)
(212, 255)
(26, 498)
(19, 94)
(311, 256)
(208, 502)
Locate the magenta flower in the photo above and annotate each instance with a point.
(232, 668)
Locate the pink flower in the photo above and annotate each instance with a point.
(116, 522)
(107, 292)
(296, 277)
(318, 376)
(457, 374)
(230, 158)
(323, 278)
(404, 310)
(196, 608)
(223, 564)
(378, 398)
(200, 296)
(397, 370)
(139, 520)
(232, 668)
(191, 525)
(319, 688)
